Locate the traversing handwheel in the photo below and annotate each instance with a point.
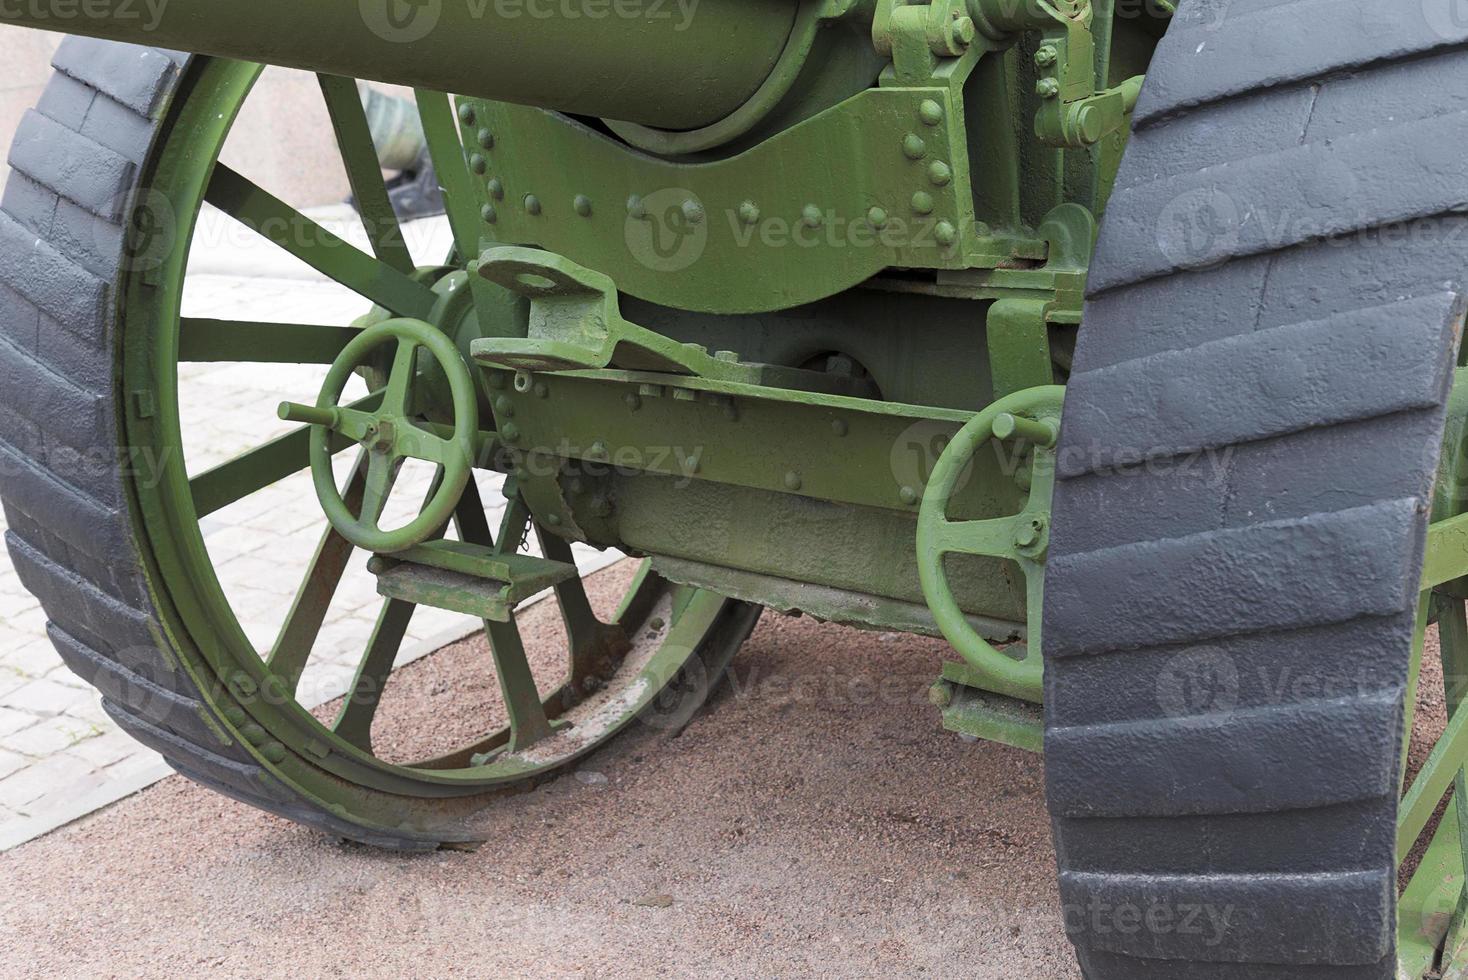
(390, 436)
(1032, 416)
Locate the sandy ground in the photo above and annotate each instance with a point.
(814, 821)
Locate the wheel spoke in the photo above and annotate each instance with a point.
(323, 251)
(528, 720)
(202, 340)
(354, 721)
(359, 155)
(442, 133)
(302, 626)
(595, 647)
(251, 472)
(992, 537)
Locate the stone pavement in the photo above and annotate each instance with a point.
(60, 756)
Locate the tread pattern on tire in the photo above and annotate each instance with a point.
(1250, 438)
(75, 162)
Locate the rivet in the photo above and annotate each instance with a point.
(489, 214)
(582, 204)
(253, 734)
(496, 379)
(692, 464)
(478, 163)
(466, 114)
(486, 139)
(554, 520)
(922, 202)
(541, 391)
(532, 204)
(930, 112)
(636, 208)
(693, 211)
(510, 432)
(811, 217)
(633, 402)
(496, 188)
(945, 233)
(749, 213)
(908, 496)
(235, 715)
(939, 173)
(877, 218)
(598, 450)
(914, 146)
(504, 407)
(840, 427)
(273, 752)
(792, 480)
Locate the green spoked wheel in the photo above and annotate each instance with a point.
(118, 556)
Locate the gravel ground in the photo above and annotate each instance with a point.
(814, 821)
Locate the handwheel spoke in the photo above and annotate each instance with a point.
(364, 172)
(302, 626)
(991, 537)
(400, 379)
(323, 251)
(381, 472)
(267, 464)
(204, 340)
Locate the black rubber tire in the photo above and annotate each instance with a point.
(77, 160)
(1273, 319)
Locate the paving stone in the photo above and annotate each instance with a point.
(27, 785)
(106, 749)
(51, 736)
(12, 721)
(43, 697)
(11, 762)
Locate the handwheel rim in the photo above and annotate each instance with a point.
(456, 461)
(199, 622)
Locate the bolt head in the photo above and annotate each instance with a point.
(693, 211)
(1047, 88)
(1046, 56)
(962, 31)
(749, 213)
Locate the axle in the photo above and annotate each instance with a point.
(664, 63)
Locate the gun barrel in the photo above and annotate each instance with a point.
(674, 64)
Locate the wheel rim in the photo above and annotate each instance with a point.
(255, 696)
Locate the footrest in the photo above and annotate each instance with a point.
(986, 715)
(466, 578)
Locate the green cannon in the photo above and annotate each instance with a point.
(1114, 342)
